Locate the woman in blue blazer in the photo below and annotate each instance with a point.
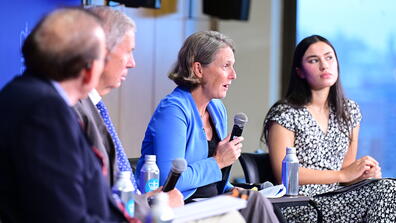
(191, 122)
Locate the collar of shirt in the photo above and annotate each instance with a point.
(61, 92)
(94, 96)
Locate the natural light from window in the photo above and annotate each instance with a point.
(364, 35)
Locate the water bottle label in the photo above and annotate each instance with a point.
(130, 207)
(151, 185)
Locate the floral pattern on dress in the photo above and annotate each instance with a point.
(316, 149)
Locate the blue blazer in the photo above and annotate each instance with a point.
(48, 171)
(176, 131)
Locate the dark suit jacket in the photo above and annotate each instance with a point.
(97, 133)
(48, 171)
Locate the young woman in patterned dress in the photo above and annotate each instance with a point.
(323, 125)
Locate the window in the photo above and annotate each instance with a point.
(363, 33)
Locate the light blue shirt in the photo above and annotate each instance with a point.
(176, 131)
(61, 92)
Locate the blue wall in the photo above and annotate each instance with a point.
(17, 19)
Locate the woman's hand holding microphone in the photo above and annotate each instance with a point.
(227, 152)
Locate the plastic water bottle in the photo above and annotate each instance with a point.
(290, 167)
(161, 212)
(123, 190)
(149, 175)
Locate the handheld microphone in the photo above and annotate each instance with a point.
(240, 119)
(178, 167)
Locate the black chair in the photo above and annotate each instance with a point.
(257, 169)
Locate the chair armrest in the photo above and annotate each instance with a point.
(287, 201)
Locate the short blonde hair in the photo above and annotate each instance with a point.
(199, 47)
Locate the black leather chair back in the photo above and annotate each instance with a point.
(257, 168)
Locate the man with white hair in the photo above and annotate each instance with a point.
(120, 43)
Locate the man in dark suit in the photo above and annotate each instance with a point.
(48, 170)
(120, 42)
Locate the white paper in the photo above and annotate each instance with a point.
(274, 191)
(207, 208)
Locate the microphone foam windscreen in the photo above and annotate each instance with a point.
(240, 119)
(179, 165)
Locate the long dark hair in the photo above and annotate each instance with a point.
(299, 92)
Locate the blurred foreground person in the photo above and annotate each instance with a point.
(48, 170)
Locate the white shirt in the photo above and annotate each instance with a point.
(94, 96)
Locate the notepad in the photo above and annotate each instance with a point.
(274, 191)
(207, 208)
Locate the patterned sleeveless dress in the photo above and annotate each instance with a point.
(316, 149)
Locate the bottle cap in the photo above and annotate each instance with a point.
(124, 182)
(151, 158)
(290, 150)
(125, 174)
(161, 210)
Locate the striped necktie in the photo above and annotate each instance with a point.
(122, 160)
